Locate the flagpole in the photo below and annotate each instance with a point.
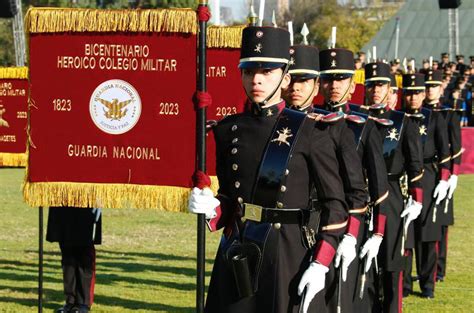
(201, 156)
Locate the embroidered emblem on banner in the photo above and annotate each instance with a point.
(3, 122)
(283, 135)
(392, 134)
(115, 107)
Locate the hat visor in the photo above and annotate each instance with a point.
(303, 76)
(259, 64)
(336, 76)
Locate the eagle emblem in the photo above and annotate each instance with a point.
(423, 130)
(283, 135)
(258, 48)
(115, 107)
(392, 134)
(3, 122)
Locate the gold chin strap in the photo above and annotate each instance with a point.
(347, 90)
(307, 103)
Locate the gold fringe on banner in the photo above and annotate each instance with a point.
(57, 20)
(13, 159)
(14, 72)
(224, 36)
(167, 198)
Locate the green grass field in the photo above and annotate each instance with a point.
(147, 260)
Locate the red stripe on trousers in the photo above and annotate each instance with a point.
(400, 291)
(93, 276)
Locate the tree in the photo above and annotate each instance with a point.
(355, 27)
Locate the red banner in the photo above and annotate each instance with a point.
(13, 119)
(467, 158)
(228, 97)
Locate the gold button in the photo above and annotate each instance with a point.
(233, 151)
(235, 140)
(235, 167)
(287, 172)
(279, 205)
(240, 200)
(283, 188)
(277, 225)
(234, 128)
(237, 184)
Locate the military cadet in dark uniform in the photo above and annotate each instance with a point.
(452, 114)
(268, 160)
(436, 156)
(392, 98)
(403, 156)
(338, 86)
(444, 60)
(304, 71)
(76, 230)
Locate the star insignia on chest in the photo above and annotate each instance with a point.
(423, 130)
(392, 134)
(258, 48)
(283, 135)
(269, 113)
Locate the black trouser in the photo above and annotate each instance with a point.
(78, 264)
(407, 278)
(392, 293)
(426, 260)
(442, 252)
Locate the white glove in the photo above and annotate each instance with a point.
(453, 183)
(313, 280)
(441, 191)
(412, 211)
(371, 249)
(203, 202)
(347, 252)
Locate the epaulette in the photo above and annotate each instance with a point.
(210, 124)
(416, 116)
(332, 117)
(377, 106)
(382, 121)
(355, 119)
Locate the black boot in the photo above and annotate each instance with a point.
(65, 308)
(80, 308)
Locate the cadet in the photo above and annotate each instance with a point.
(267, 161)
(452, 114)
(76, 230)
(403, 156)
(337, 84)
(436, 156)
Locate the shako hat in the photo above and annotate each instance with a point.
(304, 61)
(414, 81)
(336, 62)
(264, 47)
(433, 77)
(377, 72)
(393, 82)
